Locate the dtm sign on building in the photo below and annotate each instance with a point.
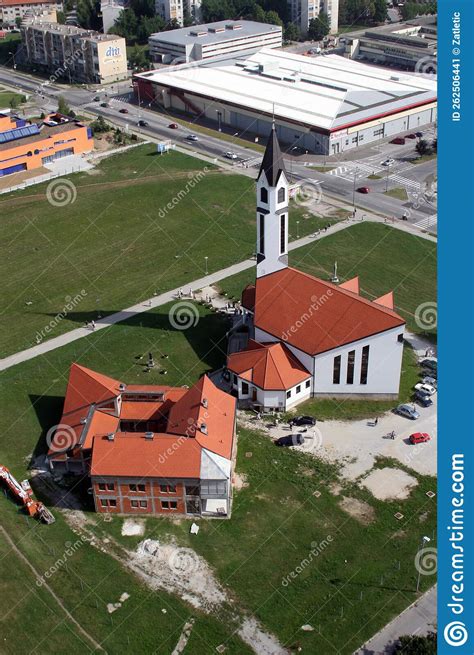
(112, 62)
(113, 52)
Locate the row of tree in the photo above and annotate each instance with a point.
(413, 9)
(352, 12)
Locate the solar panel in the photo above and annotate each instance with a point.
(18, 133)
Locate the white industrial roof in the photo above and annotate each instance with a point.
(323, 91)
(218, 32)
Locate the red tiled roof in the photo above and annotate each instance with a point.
(101, 424)
(189, 413)
(316, 316)
(134, 456)
(86, 387)
(351, 285)
(268, 365)
(386, 301)
(13, 3)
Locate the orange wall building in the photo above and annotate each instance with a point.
(25, 146)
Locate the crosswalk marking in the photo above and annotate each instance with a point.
(428, 222)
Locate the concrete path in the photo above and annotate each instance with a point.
(162, 299)
(418, 619)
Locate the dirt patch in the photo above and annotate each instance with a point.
(389, 484)
(259, 641)
(133, 527)
(358, 509)
(335, 488)
(240, 481)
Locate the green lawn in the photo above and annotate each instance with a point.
(7, 96)
(141, 223)
(384, 258)
(398, 193)
(374, 176)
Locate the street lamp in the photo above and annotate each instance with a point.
(13, 55)
(354, 189)
(205, 260)
(424, 540)
(297, 229)
(386, 179)
(219, 115)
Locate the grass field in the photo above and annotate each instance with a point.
(7, 96)
(384, 258)
(140, 224)
(358, 579)
(398, 193)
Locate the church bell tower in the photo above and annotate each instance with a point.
(272, 210)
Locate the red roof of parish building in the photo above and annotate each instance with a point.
(316, 316)
(268, 365)
(86, 386)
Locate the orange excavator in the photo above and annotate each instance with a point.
(24, 493)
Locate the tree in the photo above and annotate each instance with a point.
(99, 125)
(380, 11)
(423, 148)
(137, 57)
(319, 27)
(415, 645)
(273, 18)
(214, 10)
(14, 102)
(434, 145)
(292, 33)
(63, 107)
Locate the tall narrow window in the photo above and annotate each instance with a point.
(282, 234)
(261, 234)
(350, 367)
(336, 374)
(281, 194)
(263, 195)
(364, 365)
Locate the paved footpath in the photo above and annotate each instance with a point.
(418, 619)
(162, 299)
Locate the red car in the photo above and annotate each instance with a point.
(123, 111)
(419, 437)
(363, 189)
(173, 126)
(399, 140)
(410, 136)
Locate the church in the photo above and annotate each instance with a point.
(307, 336)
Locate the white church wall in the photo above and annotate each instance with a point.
(272, 249)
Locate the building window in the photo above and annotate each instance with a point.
(400, 338)
(307, 384)
(134, 503)
(364, 365)
(298, 388)
(336, 372)
(108, 502)
(288, 394)
(143, 504)
(263, 195)
(102, 486)
(137, 487)
(350, 367)
(192, 490)
(168, 488)
(245, 388)
(261, 232)
(282, 234)
(281, 194)
(235, 379)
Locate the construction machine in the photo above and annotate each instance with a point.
(24, 493)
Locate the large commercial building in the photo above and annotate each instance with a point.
(75, 54)
(411, 46)
(11, 10)
(304, 11)
(25, 146)
(325, 104)
(202, 42)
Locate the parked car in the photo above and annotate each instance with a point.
(363, 189)
(422, 399)
(192, 137)
(410, 136)
(142, 123)
(96, 99)
(173, 126)
(124, 110)
(419, 437)
(303, 420)
(104, 104)
(430, 364)
(230, 155)
(429, 379)
(408, 411)
(427, 389)
(388, 162)
(290, 440)
(419, 134)
(398, 140)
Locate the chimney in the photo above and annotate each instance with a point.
(204, 403)
(149, 435)
(122, 386)
(203, 428)
(111, 436)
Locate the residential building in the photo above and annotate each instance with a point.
(12, 11)
(177, 10)
(148, 449)
(202, 42)
(25, 146)
(310, 337)
(111, 10)
(73, 53)
(325, 104)
(302, 12)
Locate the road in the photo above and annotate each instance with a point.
(341, 182)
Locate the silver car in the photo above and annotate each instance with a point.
(408, 411)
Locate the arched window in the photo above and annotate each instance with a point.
(263, 195)
(281, 194)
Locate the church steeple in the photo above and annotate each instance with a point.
(272, 210)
